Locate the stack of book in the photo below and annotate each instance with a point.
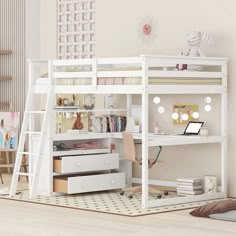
(108, 123)
(189, 186)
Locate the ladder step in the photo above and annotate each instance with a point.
(35, 112)
(28, 153)
(32, 132)
(24, 174)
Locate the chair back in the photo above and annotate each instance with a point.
(129, 147)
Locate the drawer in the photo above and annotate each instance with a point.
(72, 164)
(89, 183)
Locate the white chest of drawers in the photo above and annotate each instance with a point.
(79, 171)
(82, 163)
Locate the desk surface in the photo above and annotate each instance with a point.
(153, 139)
(165, 140)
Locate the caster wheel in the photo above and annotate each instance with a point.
(159, 196)
(130, 196)
(122, 193)
(166, 193)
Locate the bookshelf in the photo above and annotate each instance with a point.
(5, 52)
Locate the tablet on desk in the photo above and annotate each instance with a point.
(193, 128)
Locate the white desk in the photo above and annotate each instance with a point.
(158, 140)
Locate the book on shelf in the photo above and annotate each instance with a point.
(189, 188)
(187, 193)
(189, 180)
(189, 184)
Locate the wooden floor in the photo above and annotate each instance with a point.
(18, 218)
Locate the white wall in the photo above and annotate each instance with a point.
(116, 34)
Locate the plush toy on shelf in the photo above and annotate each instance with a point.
(78, 123)
(194, 39)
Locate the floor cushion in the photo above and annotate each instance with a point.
(228, 216)
(214, 208)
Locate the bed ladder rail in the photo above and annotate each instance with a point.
(38, 153)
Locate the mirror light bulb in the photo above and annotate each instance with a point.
(156, 100)
(184, 117)
(207, 108)
(161, 109)
(207, 99)
(195, 115)
(175, 116)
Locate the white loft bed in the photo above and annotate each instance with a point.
(151, 75)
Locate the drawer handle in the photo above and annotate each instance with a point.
(106, 162)
(77, 164)
(113, 181)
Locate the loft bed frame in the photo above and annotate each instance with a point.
(150, 75)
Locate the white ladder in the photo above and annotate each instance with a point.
(25, 130)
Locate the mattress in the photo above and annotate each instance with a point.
(130, 81)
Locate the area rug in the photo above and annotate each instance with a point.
(105, 202)
(110, 202)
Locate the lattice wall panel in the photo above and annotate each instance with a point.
(76, 29)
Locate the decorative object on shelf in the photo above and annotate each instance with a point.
(210, 184)
(204, 131)
(59, 101)
(136, 112)
(183, 113)
(78, 123)
(89, 102)
(9, 125)
(60, 146)
(108, 101)
(157, 129)
(88, 145)
(194, 39)
(146, 28)
(132, 126)
(65, 101)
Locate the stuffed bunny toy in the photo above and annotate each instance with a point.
(194, 39)
(78, 124)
